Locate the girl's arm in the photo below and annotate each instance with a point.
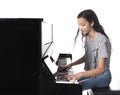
(99, 70)
(79, 61)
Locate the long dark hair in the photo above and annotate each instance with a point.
(90, 16)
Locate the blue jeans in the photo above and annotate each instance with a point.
(102, 80)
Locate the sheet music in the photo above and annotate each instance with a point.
(52, 66)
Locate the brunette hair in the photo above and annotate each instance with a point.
(90, 16)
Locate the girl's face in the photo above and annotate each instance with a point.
(85, 26)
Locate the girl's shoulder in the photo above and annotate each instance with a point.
(101, 37)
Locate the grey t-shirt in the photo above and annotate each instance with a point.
(94, 50)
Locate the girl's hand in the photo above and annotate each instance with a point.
(74, 77)
(68, 66)
(63, 68)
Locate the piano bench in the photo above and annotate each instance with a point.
(105, 91)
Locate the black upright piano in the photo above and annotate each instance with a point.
(22, 67)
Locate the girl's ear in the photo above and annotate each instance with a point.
(92, 23)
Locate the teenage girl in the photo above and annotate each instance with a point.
(97, 52)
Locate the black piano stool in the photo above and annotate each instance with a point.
(105, 91)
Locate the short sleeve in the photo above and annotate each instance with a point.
(103, 50)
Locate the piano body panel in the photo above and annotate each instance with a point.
(48, 88)
(52, 88)
(69, 89)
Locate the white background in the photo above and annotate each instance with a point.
(63, 15)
